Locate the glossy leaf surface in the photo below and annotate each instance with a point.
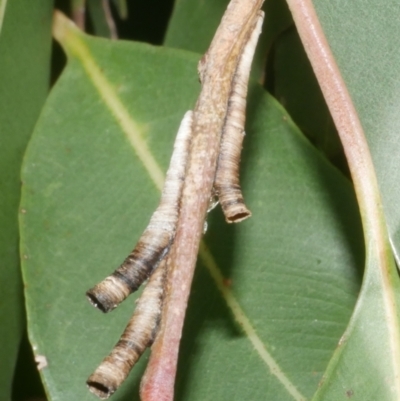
(291, 273)
(24, 36)
(366, 365)
(297, 89)
(366, 49)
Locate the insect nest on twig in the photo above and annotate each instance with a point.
(149, 259)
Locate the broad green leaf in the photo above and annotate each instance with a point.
(193, 24)
(24, 73)
(289, 276)
(296, 88)
(366, 365)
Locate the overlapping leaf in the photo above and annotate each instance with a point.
(24, 36)
(291, 272)
(296, 87)
(366, 364)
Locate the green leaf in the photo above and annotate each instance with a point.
(364, 36)
(297, 89)
(24, 75)
(289, 276)
(193, 24)
(366, 364)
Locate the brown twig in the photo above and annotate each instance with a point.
(177, 224)
(79, 13)
(216, 70)
(109, 19)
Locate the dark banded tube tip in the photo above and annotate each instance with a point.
(107, 378)
(99, 302)
(236, 215)
(231, 201)
(108, 294)
(234, 208)
(99, 389)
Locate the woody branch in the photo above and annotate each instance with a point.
(217, 70)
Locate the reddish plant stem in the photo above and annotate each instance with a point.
(360, 163)
(343, 113)
(216, 70)
(78, 13)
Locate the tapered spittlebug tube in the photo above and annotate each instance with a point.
(138, 335)
(154, 243)
(226, 184)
